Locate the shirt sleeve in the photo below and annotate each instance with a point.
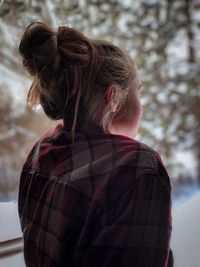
(137, 228)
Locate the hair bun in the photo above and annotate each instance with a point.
(38, 47)
(73, 46)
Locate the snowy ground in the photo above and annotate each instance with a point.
(185, 241)
(9, 229)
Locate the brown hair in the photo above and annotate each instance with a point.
(72, 72)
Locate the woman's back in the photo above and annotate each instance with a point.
(90, 195)
(103, 200)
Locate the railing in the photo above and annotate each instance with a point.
(11, 247)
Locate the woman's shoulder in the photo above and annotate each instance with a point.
(145, 155)
(42, 145)
(153, 161)
(144, 159)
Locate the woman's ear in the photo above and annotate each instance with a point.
(111, 97)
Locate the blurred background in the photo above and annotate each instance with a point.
(164, 38)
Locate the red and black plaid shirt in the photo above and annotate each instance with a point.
(103, 201)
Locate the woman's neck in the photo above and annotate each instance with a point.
(122, 130)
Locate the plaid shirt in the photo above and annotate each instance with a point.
(103, 201)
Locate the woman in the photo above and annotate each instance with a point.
(90, 194)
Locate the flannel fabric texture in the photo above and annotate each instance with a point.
(102, 201)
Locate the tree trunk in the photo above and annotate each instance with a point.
(190, 34)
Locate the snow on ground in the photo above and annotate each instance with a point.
(14, 261)
(185, 241)
(9, 221)
(9, 229)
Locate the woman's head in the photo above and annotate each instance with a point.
(78, 78)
